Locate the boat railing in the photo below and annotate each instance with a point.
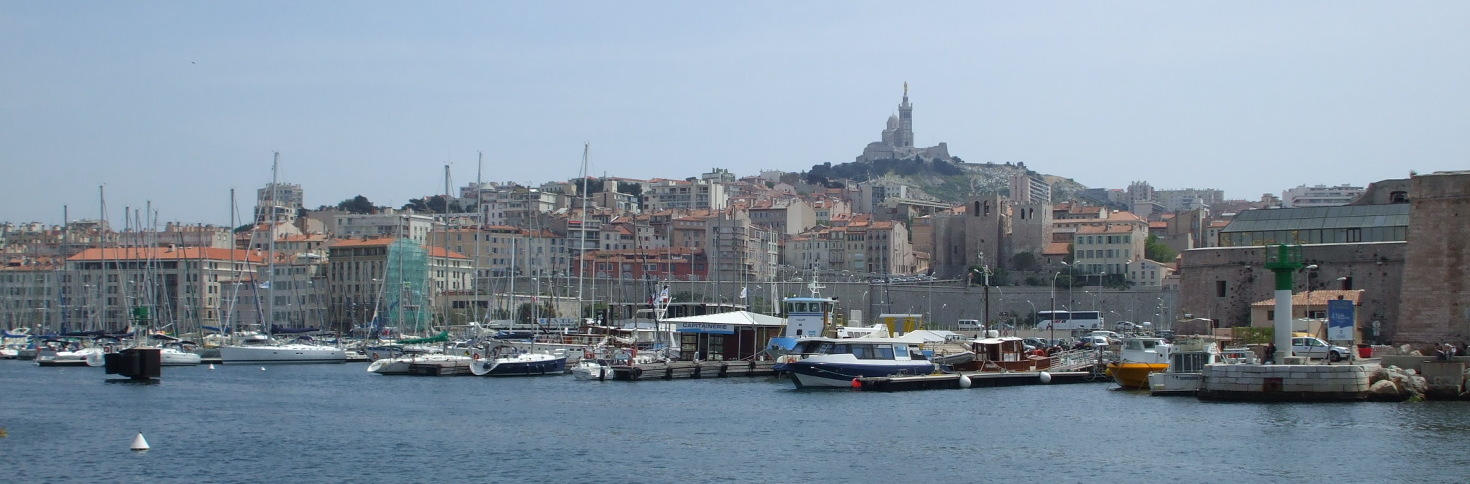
(1072, 360)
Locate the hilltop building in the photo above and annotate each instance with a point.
(897, 141)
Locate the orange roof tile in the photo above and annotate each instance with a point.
(1316, 298)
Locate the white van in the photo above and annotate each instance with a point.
(969, 325)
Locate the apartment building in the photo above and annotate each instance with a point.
(102, 287)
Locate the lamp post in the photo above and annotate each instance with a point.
(1033, 310)
(1052, 321)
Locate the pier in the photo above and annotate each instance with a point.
(978, 379)
(692, 369)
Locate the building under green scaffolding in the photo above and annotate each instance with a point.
(405, 288)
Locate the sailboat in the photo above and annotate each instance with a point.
(261, 348)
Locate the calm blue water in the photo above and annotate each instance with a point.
(338, 423)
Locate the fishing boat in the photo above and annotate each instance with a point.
(511, 361)
(1187, 360)
(1137, 357)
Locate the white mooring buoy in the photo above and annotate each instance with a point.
(964, 381)
(139, 443)
(211, 366)
(1045, 377)
(262, 368)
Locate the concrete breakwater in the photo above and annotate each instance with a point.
(1387, 380)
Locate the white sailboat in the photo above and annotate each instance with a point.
(261, 348)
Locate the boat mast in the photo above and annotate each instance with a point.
(102, 232)
(224, 320)
(582, 236)
(270, 300)
(479, 230)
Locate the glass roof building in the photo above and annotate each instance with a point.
(1318, 225)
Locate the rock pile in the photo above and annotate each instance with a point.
(1394, 384)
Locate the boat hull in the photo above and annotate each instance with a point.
(817, 374)
(279, 355)
(1171, 383)
(591, 370)
(1133, 376)
(427, 365)
(169, 357)
(520, 365)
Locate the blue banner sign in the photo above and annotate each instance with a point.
(1340, 320)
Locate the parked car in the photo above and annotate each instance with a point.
(1126, 327)
(1316, 348)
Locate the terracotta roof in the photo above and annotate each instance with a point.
(445, 253)
(1105, 229)
(1055, 248)
(1316, 298)
(362, 242)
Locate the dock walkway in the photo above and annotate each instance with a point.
(692, 369)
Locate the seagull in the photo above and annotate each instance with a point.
(262, 368)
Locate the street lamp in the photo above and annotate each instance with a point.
(1033, 310)
(1052, 321)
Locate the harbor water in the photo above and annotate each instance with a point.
(337, 423)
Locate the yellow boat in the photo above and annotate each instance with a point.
(1133, 376)
(1137, 357)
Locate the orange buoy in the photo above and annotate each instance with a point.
(857, 385)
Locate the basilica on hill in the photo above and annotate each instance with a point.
(898, 138)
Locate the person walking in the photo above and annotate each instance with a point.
(1271, 353)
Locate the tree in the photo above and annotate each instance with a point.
(1155, 251)
(1024, 261)
(358, 205)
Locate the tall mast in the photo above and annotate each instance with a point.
(582, 236)
(102, 233)
(224, 319)
(270, 300)
(479, 230)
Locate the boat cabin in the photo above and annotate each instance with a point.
(862, 349)
(1143, 350)
(1004, 354)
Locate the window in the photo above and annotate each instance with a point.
(1220, 289)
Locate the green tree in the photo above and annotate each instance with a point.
(1024, 262)
(358, 205)
(1155, 251)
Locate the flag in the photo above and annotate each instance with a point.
(742, 293)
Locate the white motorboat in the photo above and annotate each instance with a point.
(835, 362)
(592, 369)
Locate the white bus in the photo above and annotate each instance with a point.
(1069, 320)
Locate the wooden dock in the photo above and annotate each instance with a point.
(982, 379)
(692, 369)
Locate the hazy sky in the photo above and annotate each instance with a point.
(175, 103)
